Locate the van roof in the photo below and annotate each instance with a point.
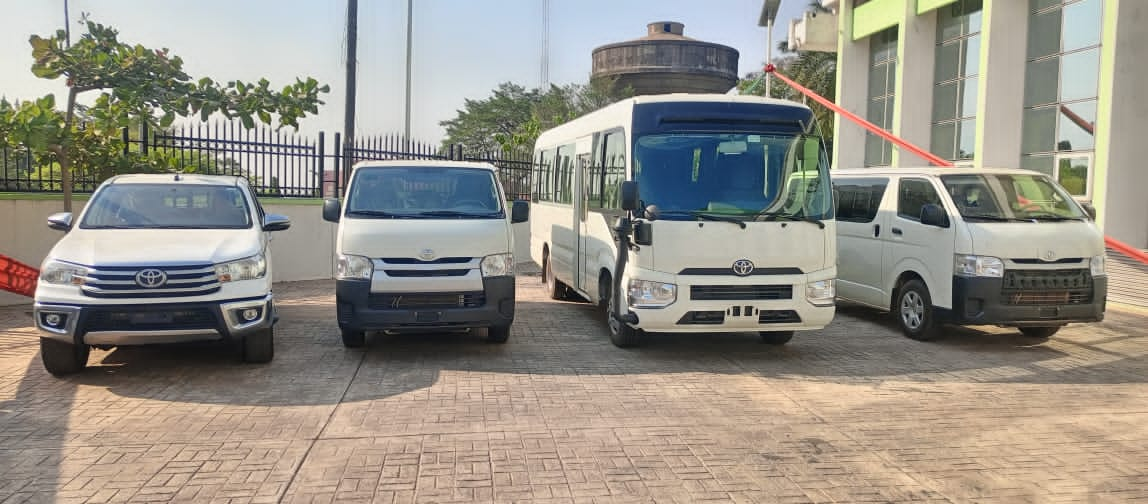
(425, 163)
(182, 178)
(929, 171)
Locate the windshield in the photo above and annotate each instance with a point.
(746, 176)
(167, 206)
(1010, 197)
(424, 192)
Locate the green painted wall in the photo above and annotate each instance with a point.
(876, 15)
(924, 6)
(1104, 107)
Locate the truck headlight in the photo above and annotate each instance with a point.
(498, 265)
(978, 266)
(353, 267)
(1097, 265)
(63, 273)
(248, 268)
(821, 292)
(647, 294)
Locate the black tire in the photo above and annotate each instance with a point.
(63, 358)
(776, 337)
(605, 291)
(498, 333)
(554, 288)
(259, 346)
(621, 335)
(1040, 332)
(914, 311)
(354, 339)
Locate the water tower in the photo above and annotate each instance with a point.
(667, 61)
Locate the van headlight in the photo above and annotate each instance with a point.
(248, 268)
(647, 294)
(1097, 265)
(353, 267)
(978, 266)
(498, 265)
(63, 273)
(821, 292)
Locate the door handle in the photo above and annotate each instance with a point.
(897, 231)
(876, 230)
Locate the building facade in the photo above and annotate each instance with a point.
(1055, 86)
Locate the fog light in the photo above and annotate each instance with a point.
(53, 319)
(250, 314)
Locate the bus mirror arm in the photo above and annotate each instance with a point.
(622, 230)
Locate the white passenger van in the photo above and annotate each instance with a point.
(424, 246)
(721, 205)
(968, 247)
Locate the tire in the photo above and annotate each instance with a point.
(498, 333)
(776, 337)
(63, 358)
(555, 289)
(914, 311)
(1040, 332)
(621, 335)
(354, 339)
(259, 346)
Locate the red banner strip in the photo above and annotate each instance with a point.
(17, 277)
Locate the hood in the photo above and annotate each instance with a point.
(1027, 240)
(377, 238)
(134, 247)
(719, 244)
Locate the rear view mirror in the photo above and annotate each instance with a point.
(934, 215)
(331, 209)
(519, 212)
(274, 222)
(643, 233)
(629, 195)
(60, 221)
(1089, 209)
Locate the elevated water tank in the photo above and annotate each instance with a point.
(667, 61)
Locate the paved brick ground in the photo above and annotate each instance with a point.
(854, 413)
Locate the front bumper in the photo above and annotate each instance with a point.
(980, 301)
(134, 324)
(359, 309)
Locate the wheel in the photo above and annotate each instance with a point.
(259, 346)
(556, 289)
(621, 335)
(63, 358)
(605, 292)
(498, 333)
(1040, 332)
(776, 337)
(915, 311)
(354, 339)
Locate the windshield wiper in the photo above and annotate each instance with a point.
(115, 226)
(454, 213)
(376, 213)
(704, 216)
(995, 218)
(1051, 217)
(791, 218)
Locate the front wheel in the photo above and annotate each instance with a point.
(498, 333)
(776, 337)
(914, 311)
(354, 339)
(554, 288)
(1040, 332)
(259, 346)
(63, 358)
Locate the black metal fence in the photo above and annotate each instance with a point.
(276, 164)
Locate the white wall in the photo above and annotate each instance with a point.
(852, 92)
(304, 252)
(916, 51)
(1000, 96)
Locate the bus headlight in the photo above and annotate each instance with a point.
(821, 292)
(647, 294)
(1097, 265)
(353, 267)
(498, 265)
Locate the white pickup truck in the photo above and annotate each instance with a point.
(157, 259)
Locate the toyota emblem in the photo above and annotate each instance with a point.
(151, 278)
(426, 254)
(742, 267)
(1049, 256)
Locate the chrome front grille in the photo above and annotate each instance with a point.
(141, 281)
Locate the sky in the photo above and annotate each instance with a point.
(461, 49)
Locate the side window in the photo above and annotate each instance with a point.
(859, 199)
(565, 174)
(614, 170)
(593, 182)
(914, 194)
(545, 177)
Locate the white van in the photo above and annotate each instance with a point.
(968, 247)
(422, 246)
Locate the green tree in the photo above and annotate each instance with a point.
(136, 85)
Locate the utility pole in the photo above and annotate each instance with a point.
(545, 46)
(67, 26)
(349, 109)
(410, 23)
(768, 13)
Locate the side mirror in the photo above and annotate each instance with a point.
(643, 233)
(275, 222)
(519, 211)
(934, 215)
(629, 192)
(60, 221)
(331, 210)
(1089, 209)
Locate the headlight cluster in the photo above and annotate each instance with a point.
(978, 266)
(648, 294)
(821, 292)
(249, 268)
(353, 267)
(498, 265)
(1097, 265)
(63, 273)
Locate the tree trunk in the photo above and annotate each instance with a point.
(62, 153)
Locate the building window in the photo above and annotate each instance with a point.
(1061, 89)
(882, 82)
(955, 79)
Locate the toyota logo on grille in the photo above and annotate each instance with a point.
(151, 278)
(426, 254)
(742, 267)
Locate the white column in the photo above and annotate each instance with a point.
(852, 91)
(1000, 93)
(913, 94)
